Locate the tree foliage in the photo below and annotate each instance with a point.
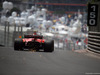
(16, 10)
(92, 1)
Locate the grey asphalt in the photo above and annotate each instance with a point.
(59, 62)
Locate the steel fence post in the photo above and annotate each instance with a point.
(5, 34)
(63, 44)
(74, 45)
(58, 43)
(14, 27)
(69, 45)
(18, 30)
(21, 30)
(8, 34)
(0, 39)
(14, 35)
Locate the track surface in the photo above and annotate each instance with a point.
(59, 62)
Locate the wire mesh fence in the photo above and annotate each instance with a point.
(62, 44)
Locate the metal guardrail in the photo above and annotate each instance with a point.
(1, 38)
(8, 34)
(94, 41)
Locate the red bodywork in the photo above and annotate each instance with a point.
(32, 39)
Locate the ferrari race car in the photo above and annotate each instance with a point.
(34, 42)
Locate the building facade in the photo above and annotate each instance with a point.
(67, 6)
(64, 6)
(20, 4)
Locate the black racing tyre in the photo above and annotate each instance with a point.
(18, 44)
(49, 46)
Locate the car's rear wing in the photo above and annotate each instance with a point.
(33, 36)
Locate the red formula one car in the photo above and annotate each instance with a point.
(35, 42)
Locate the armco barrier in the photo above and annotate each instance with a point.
(8, 34)
(94, 27)
(1, 38)
(94, 41)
